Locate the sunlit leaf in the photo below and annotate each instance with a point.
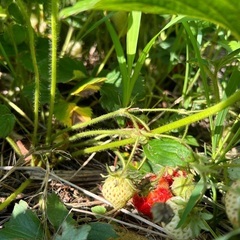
(222, 12)
(167, 152)
(87, 87)
(70, 114)
(23, 224)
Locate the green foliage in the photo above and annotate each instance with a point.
(77, 75)
(7, 121)
(23, 224)
(54, 205)
(167, 152)
(211, 11)
(73, 233)
(103, 231)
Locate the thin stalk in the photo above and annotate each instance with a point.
(15, 147)
(54, 29)
(119, 132)
(99, 148)
(67, 41)
(24, 12)
(13, 196)
(186, 77)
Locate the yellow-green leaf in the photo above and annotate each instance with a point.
(70, 114)
(87, 87)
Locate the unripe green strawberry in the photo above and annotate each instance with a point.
(182, 233)
(183, 186)
(118, 190)
(232, 204)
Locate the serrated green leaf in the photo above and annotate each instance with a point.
(7, 121)
(23, 224)
(72, 233)
(57, 213)
(101, 231)
(167, 152)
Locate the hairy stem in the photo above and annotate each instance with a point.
(24, 11)
(199, 116)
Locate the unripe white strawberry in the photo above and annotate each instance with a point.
(232, 204)
(184, 232)
(118, 190)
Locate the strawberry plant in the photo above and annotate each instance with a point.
(89, 83)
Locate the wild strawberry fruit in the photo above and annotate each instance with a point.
(118, 190)
(173, 182)
(232, 204)
(182, 233)
(161, 193)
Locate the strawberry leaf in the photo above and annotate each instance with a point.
(102, 231)
(70, 232)
(167, 152)
(23, 224)
(54, 205)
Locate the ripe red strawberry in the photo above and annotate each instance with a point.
(160, 194)
(118, 190)
(232, 204)
(173, 182)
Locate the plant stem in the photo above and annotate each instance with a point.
(24, 11)
(54, 29)
(119, 132)
(199, 116)
(110, 145)
(14, 195)
(13, 144)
